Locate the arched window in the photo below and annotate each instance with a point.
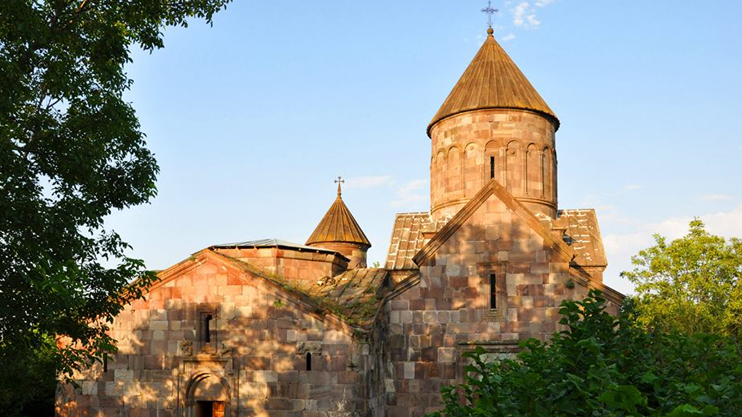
(309, 361)
(207, 328)
(490, 154)
(205, 325)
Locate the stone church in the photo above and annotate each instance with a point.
(273, 328)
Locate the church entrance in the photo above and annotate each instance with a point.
(207, 395)
(210, 409)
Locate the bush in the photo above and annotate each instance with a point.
(603, 366)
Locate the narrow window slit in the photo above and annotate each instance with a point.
(493, 291)
(207, 328)
(492, 167)
(309, 361)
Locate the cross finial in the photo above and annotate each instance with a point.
(490, 11)
(339, 181)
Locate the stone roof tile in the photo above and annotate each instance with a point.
(338, 225)
(354, 295)
(583, 234)
(492, 80)
(407, 240)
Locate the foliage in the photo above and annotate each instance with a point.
(603, 366)
(691, 284)
(71, 151)
(30, 374)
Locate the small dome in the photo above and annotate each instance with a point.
(338, 226)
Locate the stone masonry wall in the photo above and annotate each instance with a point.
(301, 265)
(432, 323)
(522, 145)
(355, 252)
(255, 360)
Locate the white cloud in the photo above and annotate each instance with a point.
(524, 15)
(633, 187)
(519, 13)
(368, 182)
(532, 21)
(727, 224)
(508, 37)
(620, 247)
(716, 197)
(411, 194)
(543, 3)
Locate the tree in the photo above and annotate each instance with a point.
(602, 366)
(71, 151)
(691, 284)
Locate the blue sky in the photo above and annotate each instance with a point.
(253, 118)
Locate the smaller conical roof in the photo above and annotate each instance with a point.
(491, 81)
(338, 226)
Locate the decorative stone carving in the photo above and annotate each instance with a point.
(314, 348)
(186, 347)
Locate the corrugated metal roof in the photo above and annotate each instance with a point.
(492, 80)
(338, 225)
(270, 243)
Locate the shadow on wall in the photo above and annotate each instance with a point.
(251, 358)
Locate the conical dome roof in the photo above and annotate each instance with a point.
(491, 81)
(339, 226)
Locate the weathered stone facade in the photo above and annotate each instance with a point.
(515, 147)
(272, 328)
(268, 350)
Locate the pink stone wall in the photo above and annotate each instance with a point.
(303, 265)
(522, 145)
(255, 361)
(448, 312)
(353, 251)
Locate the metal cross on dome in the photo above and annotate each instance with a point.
(490, 11)
(339, 181)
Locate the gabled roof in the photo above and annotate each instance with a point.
(339, 226)
(491, 81)
(552, 239)
(353, 297)
(492, 188)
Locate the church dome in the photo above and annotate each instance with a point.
(338, 226)
(492, 81)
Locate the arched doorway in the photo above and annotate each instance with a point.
(207, 395)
